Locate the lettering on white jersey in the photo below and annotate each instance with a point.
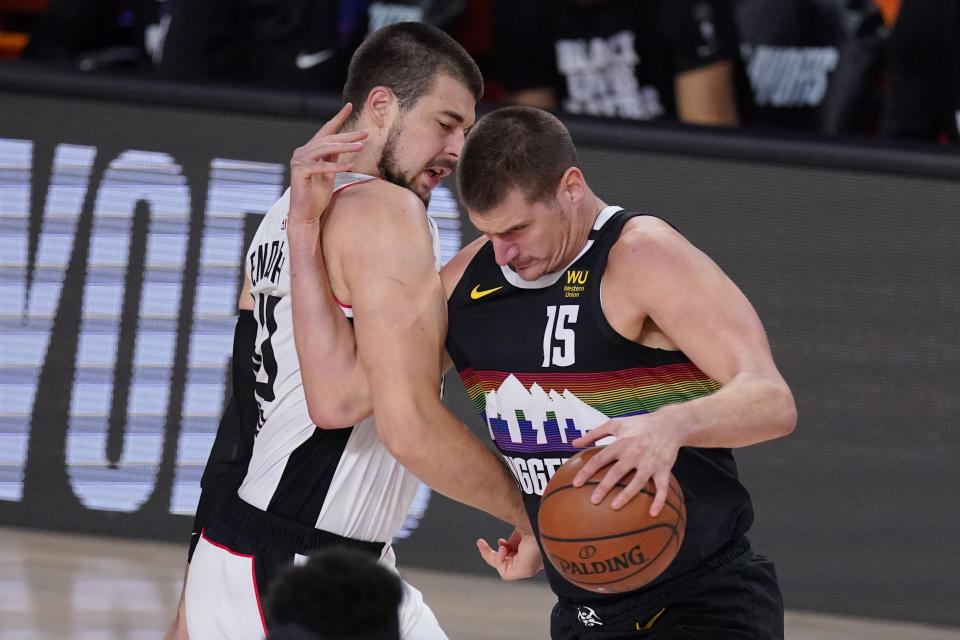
(266, 261)
(789, 76)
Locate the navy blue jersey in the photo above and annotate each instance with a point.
(543, 366)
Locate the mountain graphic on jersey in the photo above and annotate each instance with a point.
(521, 420)
(526, 412)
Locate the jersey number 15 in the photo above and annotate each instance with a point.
(558, 333)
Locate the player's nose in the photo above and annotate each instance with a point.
(504, 252)
(455, 142)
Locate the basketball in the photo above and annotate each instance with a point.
(601, 549)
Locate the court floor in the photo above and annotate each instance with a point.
(85, 588)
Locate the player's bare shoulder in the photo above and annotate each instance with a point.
(375, 209)
(647, 242)
(373, 200)
(648, 265)
(369, 227)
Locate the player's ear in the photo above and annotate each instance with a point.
(380, 101)
(573, 187)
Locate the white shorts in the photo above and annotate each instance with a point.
(222, 598)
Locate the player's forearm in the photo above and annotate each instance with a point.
(749, 409)
(334, 381)
(446, 456)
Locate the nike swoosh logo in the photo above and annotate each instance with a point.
(307, 60)
(476, 294)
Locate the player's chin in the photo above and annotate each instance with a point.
(422, 191)
(528, 271)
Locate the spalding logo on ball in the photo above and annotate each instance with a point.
(601, 549)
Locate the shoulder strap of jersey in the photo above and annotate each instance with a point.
(608, 233)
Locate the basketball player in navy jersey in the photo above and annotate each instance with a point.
(572, 321)
(310, 484)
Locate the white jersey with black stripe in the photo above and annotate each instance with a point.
(345, 481)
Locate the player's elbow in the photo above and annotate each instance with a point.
(334, 420)
(323, 419)
(784, 409)
(336, 414)
(402, 433)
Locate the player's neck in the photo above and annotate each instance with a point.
(367, 160)
(587, 217)
(581, 224)
(363, 162)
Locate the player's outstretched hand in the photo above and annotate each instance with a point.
(314, 166)
(516, 558)
(639, 446)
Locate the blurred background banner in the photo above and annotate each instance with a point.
(125, 209)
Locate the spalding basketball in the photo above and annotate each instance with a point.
(601, 549)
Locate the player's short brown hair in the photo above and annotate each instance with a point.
(406, 57)
(514, 147)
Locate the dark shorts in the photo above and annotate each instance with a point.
(734, 597)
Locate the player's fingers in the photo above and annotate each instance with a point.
(598, 461)
(322, 168)
(317, 147)
(338, 146)
(334, 123)
(609, 481)
(324, 151)
(348, 136)
(630, 491)
(662, 481)
(327, 168)
(593, 435)
(489, 555)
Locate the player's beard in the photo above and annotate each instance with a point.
(388, 168)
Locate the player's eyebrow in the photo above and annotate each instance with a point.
(453, 114)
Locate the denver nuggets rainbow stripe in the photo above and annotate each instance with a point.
(614, 393)
(529, 419)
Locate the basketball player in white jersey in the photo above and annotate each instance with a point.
(308, 486)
